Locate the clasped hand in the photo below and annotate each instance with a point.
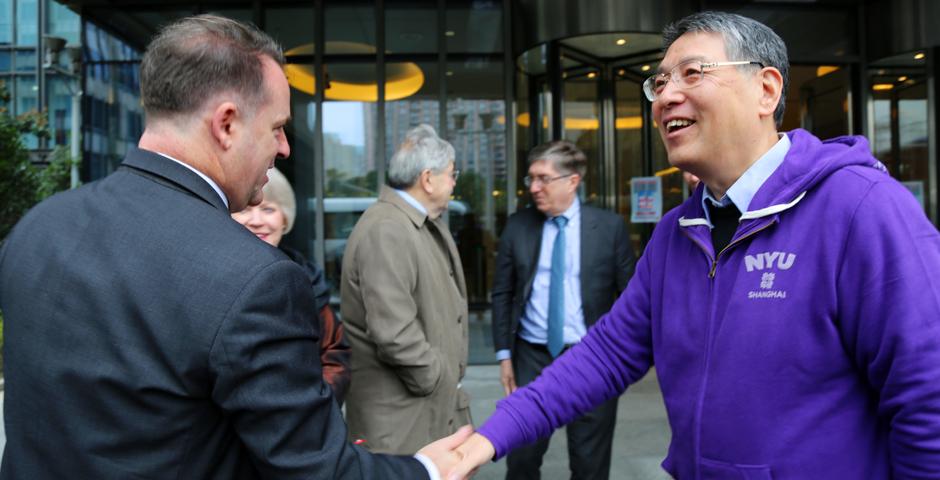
(458, 456)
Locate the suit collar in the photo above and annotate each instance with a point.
(176, 175)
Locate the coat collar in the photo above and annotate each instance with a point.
(389, 196)
(173, 174)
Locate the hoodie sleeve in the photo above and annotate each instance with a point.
(616, 352)
(889, 303)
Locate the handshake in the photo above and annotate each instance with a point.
(460, 455)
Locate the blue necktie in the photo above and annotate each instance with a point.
(556, 292)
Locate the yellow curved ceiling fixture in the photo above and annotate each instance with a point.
(575, 123)
(353, 82)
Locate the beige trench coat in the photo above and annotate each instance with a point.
(404, 307)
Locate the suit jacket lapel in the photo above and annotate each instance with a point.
(588, 249)
(173, 175)
(533, 240)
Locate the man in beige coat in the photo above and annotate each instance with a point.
(404, 306)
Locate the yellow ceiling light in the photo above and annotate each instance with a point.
(919, 56)
(575, 123)
(824, 70)
(645, 68)
(880, 87)
(666, 171)
(350, 81)
(592, 75)
(621, 41)
(629, 123)
(902, 78)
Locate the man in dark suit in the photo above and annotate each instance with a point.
(559, 267)
(149, 335)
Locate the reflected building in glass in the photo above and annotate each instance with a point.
(495, 78)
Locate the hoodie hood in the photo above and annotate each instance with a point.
(808, 162)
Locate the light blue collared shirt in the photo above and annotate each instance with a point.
(533, 326)
(411, 200)
(208, 180)
(744, 188)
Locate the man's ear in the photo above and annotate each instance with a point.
(425, 179)
(575, 181)
(771, 90)
(223, 124)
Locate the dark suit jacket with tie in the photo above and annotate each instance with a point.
(148, 335)
(606, 266)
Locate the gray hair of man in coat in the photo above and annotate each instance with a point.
(421, 150)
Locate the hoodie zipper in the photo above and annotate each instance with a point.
(697, 446)
(711, 272)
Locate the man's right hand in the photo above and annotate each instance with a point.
(506, 376)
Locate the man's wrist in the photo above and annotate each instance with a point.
(433, 473)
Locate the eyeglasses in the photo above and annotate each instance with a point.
(685, 75)
(542, 179)
(455, 174)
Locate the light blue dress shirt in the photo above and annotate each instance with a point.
(533, 326)
(411, 200)
(744, 188)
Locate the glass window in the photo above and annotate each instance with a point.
(411, 26)
(474, 26)
(476, 116)
(350, 183)
(62, 22)
(420, 107)
(6, 60)
(818, 100)
(25, 61)
(581, 111)
(292, 28)
(6, 22)
(899, 131)
(27, 13)
(26, 99)
(353, 21)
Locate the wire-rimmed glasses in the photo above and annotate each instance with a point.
(687, 74)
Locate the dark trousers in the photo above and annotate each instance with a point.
(589, 437)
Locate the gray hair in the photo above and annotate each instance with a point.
(745, 39)
(565, 156)
(421, 150)
(279, 191)
(194, 58)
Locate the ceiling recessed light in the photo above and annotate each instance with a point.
(621, 71)
(919, 56)
(902, 78)
(592, 75)
(645, 68)
(449, 33)
(621, 41)
(880, 87)
(450, 73)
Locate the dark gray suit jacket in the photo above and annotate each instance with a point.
(606, 266)
(148, 335)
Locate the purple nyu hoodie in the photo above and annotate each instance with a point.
(808, 348)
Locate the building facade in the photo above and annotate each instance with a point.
(495, 77)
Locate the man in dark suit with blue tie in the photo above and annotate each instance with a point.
(559, 267)
(149, 335)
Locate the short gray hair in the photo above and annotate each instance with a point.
(279, 191)
(421, 150)
(565, 156)
(194, 58)
(745, 39)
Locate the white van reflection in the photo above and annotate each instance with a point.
(340, 215)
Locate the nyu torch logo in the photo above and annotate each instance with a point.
(768, 261)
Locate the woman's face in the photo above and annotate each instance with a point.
(266, 220)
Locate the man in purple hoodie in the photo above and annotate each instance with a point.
(790, 305)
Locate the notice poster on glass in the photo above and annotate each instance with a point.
(646, 199)
(917, 188)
